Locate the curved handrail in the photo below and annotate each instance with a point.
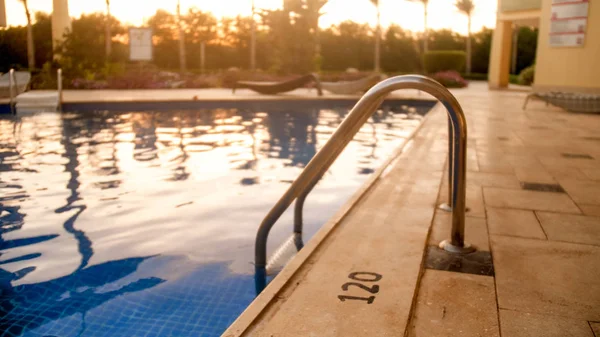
(361, 112)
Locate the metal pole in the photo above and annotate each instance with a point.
(448, 205)
(378, 41)
(253, 41)
(345, 133)
(182, 54)
(60, 88)
(202, 56)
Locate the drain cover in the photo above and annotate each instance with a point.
(478, 262)
(577, 156)
(556, 188)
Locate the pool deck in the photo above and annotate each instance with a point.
(534, 197)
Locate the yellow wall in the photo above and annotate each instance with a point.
(519, 5)
(569, 68)
(2, 14)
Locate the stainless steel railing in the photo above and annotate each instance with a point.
(12, 82)
(321, 162)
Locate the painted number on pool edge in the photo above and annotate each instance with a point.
(362, 277)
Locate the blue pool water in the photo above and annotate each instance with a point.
(143, 223)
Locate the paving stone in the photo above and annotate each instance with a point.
(590, 209)
(571, 228)
(553, 278)
(534, 175)
(585, 192)
(519, 199)
(454, 304)
(593, 174)
(492, 179)
(595, 328)
(503, 221)
(523, 324)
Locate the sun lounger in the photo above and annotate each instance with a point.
(574, 102)
(274, 88)
(352, 87)
(22, 79)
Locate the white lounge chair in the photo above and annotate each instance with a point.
(574, 102)
(22, 79)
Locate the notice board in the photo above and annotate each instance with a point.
(140, 44)
(568, 21)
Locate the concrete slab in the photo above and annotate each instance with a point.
(524, 324)
(585, 192)
(492, 179)
(552, 278)
(455, 304)
(513, 222)
(595, 328)
(519, 199)
(571, 228)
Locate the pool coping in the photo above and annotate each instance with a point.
(269, 103)
(255, 310)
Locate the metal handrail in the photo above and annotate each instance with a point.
(321, 162)
(59, 84)
(12, 81)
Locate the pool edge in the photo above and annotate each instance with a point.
(254, 311)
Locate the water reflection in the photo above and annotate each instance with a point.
(86, 199)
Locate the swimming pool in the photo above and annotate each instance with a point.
(143, 223)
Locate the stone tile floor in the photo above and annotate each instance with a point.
(539, 172)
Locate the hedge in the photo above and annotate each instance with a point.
(442, 60)
(527, 75)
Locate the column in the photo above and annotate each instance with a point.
(500, 55)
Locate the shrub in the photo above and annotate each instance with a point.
(527, 75)
(450, 79)
(475, 76)
(442, 60)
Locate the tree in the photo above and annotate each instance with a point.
(377, 38)
(310, 12)
(30, 43)
(80, 56)
(466, 7)
(425, 25)
(399, 53)
(107, 35)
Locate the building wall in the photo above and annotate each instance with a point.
(519, 5)
(569, 68)
(2, 14)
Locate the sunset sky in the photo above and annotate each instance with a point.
(409, 15)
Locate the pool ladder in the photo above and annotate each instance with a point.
(316, 168)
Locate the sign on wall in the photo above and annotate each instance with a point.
(568, 22)
(140, 44)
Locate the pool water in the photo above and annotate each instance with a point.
(143, 223)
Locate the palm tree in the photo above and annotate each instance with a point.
(107, 34)
(30, 43)
(425, 33)
(182, 56)
(314, 11)
(466, 7)
(377, 38)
